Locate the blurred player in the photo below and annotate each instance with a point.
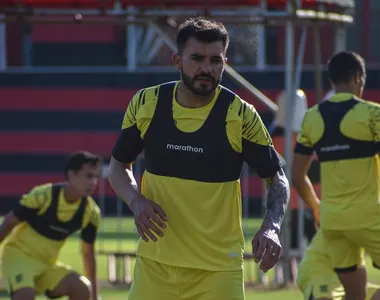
(318, 281)
(344, 131)
(38, 227)
(195, 135)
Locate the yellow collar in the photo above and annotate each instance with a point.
(341, 97)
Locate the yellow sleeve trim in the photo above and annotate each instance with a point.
(141, 107)
(38, 198)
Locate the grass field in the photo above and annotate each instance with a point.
(118, 235)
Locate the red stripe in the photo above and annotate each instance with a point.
(56, 99)
(86, 99)
(56, 143)
(14, 185)
(110, 100)
(18, 184)
(74, 33)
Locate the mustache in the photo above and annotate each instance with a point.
(204, 76)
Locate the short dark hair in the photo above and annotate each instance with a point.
(203, 30)
(344, 65)
(76, 160)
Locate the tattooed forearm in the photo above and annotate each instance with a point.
(277, 200)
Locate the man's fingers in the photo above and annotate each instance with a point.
(259, 252)
(141, 233)
(147, 232)
(270, 258)
(150, 224)
(156, 219)
(160, 212)
(255, 245)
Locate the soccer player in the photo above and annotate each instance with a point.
(344, 131)
(318, 281)
(38, 227)
(196, 134)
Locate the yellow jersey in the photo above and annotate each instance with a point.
(345, 133)
(203, 204)
(43, 241)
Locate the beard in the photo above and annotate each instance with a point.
(203, 89)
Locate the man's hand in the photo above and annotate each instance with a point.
(148, 215)
(266, 248)
(316, 218)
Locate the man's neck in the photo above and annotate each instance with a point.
(186, 98)
(343, 90)
(70, 194)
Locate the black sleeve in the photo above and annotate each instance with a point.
(88, 233)
(128, 145)
(24, 213)
(377, 147)
(263, 159)
(301, 149)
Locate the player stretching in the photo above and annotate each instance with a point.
(317, 280)
(196, 135)
(344, 131)
(41, 222)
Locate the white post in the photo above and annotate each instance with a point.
(131, 43)
(3, 47)
(261, 49)
(290, 94)
(340, 38)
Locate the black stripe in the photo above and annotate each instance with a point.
(121, 79)
(60, 120)
(251, 126)
(377, 146)
(375, 265)
(78, 54)
(29, 163)
(241, 108)
(141, 99)
(346, 270)
(110, 205)
(315, 172)
(88, 234)
(301, 149)
(267, 165)
(11, 291)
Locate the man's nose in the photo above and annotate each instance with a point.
(206, 68)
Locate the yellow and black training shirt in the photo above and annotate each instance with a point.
(193, 163)
(344, 131)
(48, 219)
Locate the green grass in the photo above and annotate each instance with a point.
(116, 235)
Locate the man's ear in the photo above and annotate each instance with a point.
(70, 174)
(358, 77)
(177, 60)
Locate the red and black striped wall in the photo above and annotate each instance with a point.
(44, 117)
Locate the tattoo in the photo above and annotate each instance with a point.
(277, 200)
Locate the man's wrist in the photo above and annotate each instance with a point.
(132, 198)
(270, 225)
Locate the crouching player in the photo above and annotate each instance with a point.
(37, 228)
(317, 279)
